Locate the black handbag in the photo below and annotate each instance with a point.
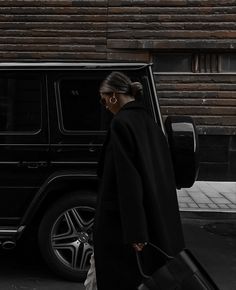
(182, 272)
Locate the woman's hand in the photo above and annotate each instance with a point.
(139, 246)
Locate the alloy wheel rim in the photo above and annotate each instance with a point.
(71, 237)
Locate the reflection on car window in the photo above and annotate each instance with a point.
(20, 103)
(80, 107)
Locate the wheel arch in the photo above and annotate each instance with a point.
(54, 188)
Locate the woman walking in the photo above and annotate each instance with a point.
(137, 200)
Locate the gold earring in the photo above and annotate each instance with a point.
(113, 100)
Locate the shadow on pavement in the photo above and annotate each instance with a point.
(213, 242)
(212, 239)
(23, 268)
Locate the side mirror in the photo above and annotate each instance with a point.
(184, 148)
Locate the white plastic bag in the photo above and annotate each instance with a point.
(91, 281)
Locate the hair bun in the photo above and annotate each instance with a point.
(136, 89)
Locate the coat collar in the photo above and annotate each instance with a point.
(132, 105)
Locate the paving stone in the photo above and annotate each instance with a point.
(203, 205)
(199, 197)
(192, 205)
(208, 196)
(223, 206)
(231, 186)
(212, 205)
(206, 188)
(185, 199)
(223, 186)
(219, 200)
(183, 205)
(182, 192)
(230, 196)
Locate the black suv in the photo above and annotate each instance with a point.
(52, 128)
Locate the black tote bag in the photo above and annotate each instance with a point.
(182, 272)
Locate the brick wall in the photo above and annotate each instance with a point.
(53, 30)
(175, 24)
(112, 29)
(209, 99)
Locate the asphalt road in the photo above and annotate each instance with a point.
(213, 242)
(24, 269)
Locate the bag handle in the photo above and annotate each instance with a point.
(140, 263)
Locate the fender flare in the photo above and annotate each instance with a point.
(48, 185)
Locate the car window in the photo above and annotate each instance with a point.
(80, 106)
(20, 102)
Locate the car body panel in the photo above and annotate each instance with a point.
(37, 167)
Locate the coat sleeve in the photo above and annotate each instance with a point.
(129, 185)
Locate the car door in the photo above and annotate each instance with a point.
(23, 141)
(82, 121)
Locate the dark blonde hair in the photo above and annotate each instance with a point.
(117, 82)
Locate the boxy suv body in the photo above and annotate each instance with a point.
(52, 128)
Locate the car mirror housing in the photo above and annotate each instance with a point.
(184, 147)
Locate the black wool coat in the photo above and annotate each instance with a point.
(137, 199)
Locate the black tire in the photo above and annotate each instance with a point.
(65, 235)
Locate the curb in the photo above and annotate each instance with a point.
(216, 215)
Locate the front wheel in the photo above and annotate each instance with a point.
(65, 235)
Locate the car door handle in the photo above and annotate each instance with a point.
(33, 164)
(93, 147)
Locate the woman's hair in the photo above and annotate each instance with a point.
(119, 83)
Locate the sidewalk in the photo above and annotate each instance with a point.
(208, 196)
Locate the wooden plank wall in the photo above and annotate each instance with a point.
(197, 26)
(53, 29)
(172, 24)
(112, 29)
(209, 98)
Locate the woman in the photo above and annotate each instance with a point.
(137, 198)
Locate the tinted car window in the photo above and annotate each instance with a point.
(80, 107)
(20, 103)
